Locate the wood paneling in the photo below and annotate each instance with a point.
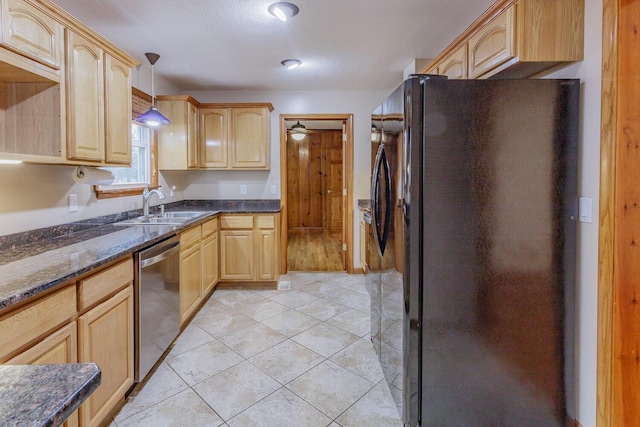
(618, 400)
(313, 169)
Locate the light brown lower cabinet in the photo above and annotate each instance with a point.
(190, 272)
(249, 250)
(105, 337)
(59, 347)
(210, 253)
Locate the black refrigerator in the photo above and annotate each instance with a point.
(473, 250)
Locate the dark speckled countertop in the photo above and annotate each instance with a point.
(34, 267)
(44, 395)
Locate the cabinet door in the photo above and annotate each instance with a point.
(59, 347)
(190, 271)
(31, 32)
(493, 44)
(85, 101)
(105, 337)
(250, 138)
(454, 66)
(210, 274)
(214, 137)
(266, 255)
(236, 254)
(117, 94)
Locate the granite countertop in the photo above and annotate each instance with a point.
(45, 262)
(44, 395)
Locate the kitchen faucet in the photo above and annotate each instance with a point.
(146, 195)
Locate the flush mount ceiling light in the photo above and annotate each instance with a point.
(283, 10)
(291, 63)
(153, 118)
(298, 131)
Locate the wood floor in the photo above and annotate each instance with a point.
(314, 249)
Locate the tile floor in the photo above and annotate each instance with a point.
(297, 357)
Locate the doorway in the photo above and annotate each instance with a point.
(316, 183)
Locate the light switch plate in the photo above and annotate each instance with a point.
(73, 202)
(586, 210)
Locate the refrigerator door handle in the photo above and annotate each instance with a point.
(380, 221)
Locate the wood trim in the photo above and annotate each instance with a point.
(144, 95)
(606, 233)
(237, 105)
(348, 212)
(183, 98)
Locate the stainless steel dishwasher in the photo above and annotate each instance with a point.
(157, 302)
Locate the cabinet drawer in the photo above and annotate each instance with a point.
(209, 227)
(36, 319)
(266, 221)
(190, 237)
(236, 221)
(101, 285)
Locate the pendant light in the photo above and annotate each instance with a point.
(298, 131)
(153, 118)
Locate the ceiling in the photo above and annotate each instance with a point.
(237, 44)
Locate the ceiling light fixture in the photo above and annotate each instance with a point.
(153, 117)
(291, 63)
(298, 131)
(283, 10)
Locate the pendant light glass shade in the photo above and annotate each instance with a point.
(153, 117)
(298, 131)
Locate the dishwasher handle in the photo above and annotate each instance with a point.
(167, 252)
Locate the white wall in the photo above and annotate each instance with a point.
(589, 72)
(226, 185)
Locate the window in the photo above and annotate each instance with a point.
(132, 180)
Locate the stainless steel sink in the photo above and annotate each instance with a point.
(166, 218)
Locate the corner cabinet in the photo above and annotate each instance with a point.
(75, 84)
(249, 248)
(516, 40)
(221, 137)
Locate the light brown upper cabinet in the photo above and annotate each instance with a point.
(518, 39)
(224, 136)
(32, 33)
(454, 66)
(98, 104)
(66, 91)
(178, 141)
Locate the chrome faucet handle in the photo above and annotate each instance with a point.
(146, 190)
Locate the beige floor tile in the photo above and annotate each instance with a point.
(280, 409)
(185, 409)
(286, 361)
(261, 310)
(351, 298)
(330, 388)
(238, 298)
(322, 309)
(322, 288)
(376, 408)
(253, 340)
(203, 362)
(354, 321)
(293, 298)
(291, 322)
(234, 390)
(163, 384)
(360, 358)
(219, 324)
(193, 336)
(325, 339)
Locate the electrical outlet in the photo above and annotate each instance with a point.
(243, 189)
(274, 189)
(73, 202)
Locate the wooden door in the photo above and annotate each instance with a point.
(305, 191)
(85, 99)
(236, 255)
(332, 174)
(118, 119)
(105, 337)
(214, 137)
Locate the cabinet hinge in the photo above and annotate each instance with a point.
(344, 246)
(344, 192)
(344, 137)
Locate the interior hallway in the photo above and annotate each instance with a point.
(298, 357)
(314, 249)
